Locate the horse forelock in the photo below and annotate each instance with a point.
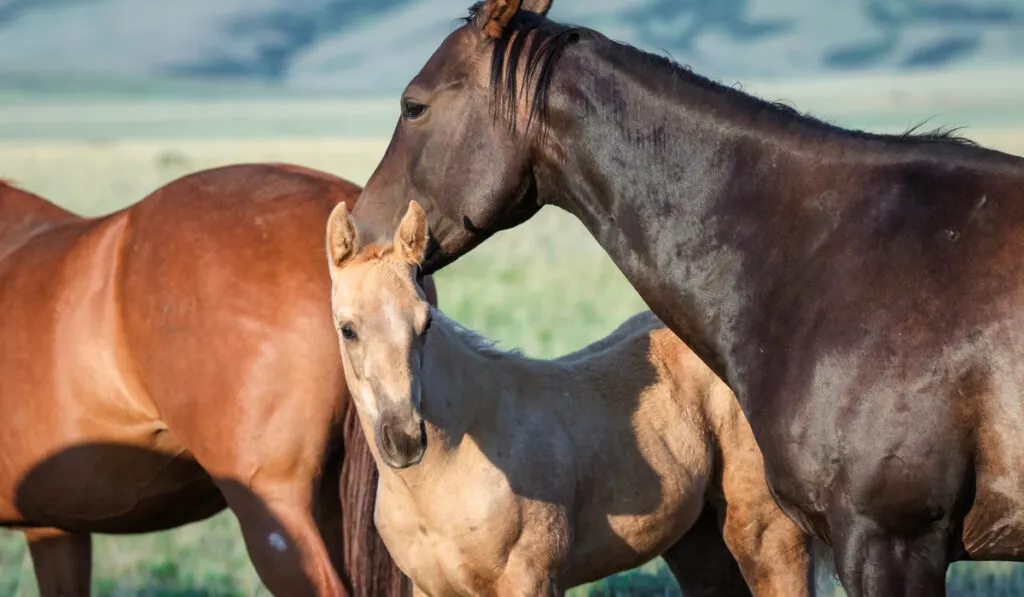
(371, 252)
(542, 42)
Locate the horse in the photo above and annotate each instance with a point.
(169, 360)
(506, 475)
(860, 293)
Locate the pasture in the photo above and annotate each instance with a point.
(546, 286)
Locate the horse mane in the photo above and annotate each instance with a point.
(549, 40)
(473, 340)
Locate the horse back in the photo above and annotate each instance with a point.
(23, 214)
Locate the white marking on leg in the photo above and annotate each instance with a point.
(277, 541)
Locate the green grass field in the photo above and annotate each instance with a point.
(546, 287)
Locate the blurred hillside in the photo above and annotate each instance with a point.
(372, 47)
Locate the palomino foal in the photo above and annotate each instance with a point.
(534, 476)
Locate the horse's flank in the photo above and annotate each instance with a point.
(182, 362)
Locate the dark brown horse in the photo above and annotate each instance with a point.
(174, 358)
(862, 294)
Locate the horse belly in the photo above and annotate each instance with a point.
(112, 488)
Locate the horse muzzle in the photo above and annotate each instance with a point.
(401, 442)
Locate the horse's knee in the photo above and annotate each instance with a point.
(529, 585)
(529, 577)
(284, 543)
(875, 562)
(62, 562)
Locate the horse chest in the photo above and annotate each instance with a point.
(451, 537)
(799, 443)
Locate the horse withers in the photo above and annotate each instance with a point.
(170, 359)
(505, 475)
(862, 294)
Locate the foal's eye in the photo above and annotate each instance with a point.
(347, 332)
(412, 110)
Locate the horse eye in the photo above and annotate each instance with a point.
(412, 110)
(347, 332)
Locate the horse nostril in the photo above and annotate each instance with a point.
(387, 439)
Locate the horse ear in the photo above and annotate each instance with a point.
(540, 7)
(492, 17)
(411, 237)
(342, 236)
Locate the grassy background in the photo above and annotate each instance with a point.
(545, 286)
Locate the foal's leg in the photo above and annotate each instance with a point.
(530, 571)
(773, 553)
(872, 562)
(535, 584)
(62, 562)
(701, 562)
(283, 539)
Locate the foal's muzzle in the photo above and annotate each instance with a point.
(401, 441)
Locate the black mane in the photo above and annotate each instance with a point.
(549, 40)
(546, 45)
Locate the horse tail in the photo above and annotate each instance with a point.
(369, 566)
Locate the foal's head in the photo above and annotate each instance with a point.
(381, 315)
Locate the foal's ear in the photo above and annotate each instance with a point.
(342, 237)
(540, 7)
(492, 17)
(411, 237)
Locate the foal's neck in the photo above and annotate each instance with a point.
(689, 190)
(466, 379)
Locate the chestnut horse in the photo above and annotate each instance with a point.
(171, 359)
(862, 294)
(504, 475)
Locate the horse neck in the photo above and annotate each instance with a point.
(685, 188)
(466, 382)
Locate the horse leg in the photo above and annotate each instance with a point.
(528, 576)
(873, 562)
(774, 555)
(528, 585)
(702, 563)
(283, 539)
(328, 512)
(62, 562)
